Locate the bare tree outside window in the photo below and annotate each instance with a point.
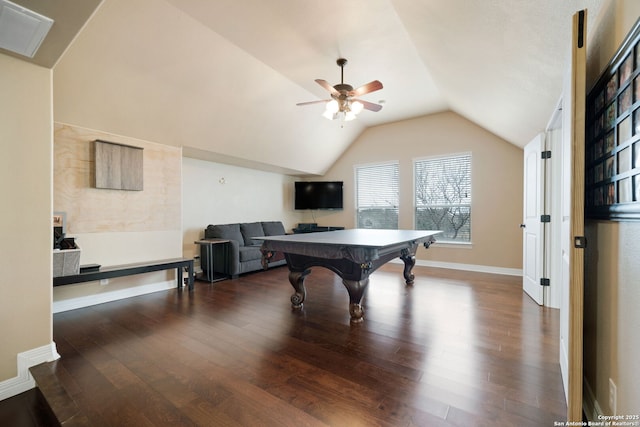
(443, 196)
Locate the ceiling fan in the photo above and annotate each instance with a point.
(344, 99)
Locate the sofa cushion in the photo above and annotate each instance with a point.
(225, 231)
(250, 230)
(273, 228)
(249, 253)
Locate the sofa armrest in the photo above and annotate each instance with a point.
(233, 260)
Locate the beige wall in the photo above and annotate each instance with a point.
(25, 189)
(612, 275)
(496, 179)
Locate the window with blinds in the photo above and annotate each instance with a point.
(443, 196)
(377, 196)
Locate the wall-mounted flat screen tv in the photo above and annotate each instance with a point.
(318, 195)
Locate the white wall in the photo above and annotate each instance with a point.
(215, 193)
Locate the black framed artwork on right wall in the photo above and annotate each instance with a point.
(612, 152)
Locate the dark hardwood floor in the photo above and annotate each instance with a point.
(456, 349)
(28, 409)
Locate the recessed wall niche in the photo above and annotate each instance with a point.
(118, 166)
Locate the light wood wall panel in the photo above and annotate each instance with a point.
(93, 210)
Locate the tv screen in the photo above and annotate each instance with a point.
(318, 195)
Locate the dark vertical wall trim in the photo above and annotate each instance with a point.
(580, 29)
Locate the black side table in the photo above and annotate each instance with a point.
(207, 252)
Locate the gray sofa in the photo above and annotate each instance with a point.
(242, 253)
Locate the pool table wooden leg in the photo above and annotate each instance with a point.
(409, 260)
(356, 289)
(296, 278)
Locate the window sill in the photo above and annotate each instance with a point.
(453, 245)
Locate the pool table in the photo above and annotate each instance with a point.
(352, 254)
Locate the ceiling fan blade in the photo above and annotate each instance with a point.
(313, 102)
(369, 105)
(368, 88)
(325, 84)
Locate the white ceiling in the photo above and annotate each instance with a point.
(498, 63)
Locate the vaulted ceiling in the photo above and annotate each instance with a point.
(221, 78)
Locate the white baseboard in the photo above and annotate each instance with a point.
(24, 381)
(564, 367)
(89, 300)
(467, 267)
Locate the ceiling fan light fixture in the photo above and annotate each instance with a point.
(344, 102)
(332, 106)
(349, 115)
(356, 107)
(329, 115)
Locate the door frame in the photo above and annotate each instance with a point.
(576, 254)
(553, 203)
(566, 138)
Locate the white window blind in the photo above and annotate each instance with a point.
(377, 196)
(443, 196)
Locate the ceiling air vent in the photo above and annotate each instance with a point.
(22, 30)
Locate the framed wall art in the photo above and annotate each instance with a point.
(612, 154)
(118, 166)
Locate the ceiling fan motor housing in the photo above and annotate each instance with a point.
(343, 88)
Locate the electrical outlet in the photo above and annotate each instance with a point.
(613, 397)
(104, 282)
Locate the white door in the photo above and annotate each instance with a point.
(532, 226)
